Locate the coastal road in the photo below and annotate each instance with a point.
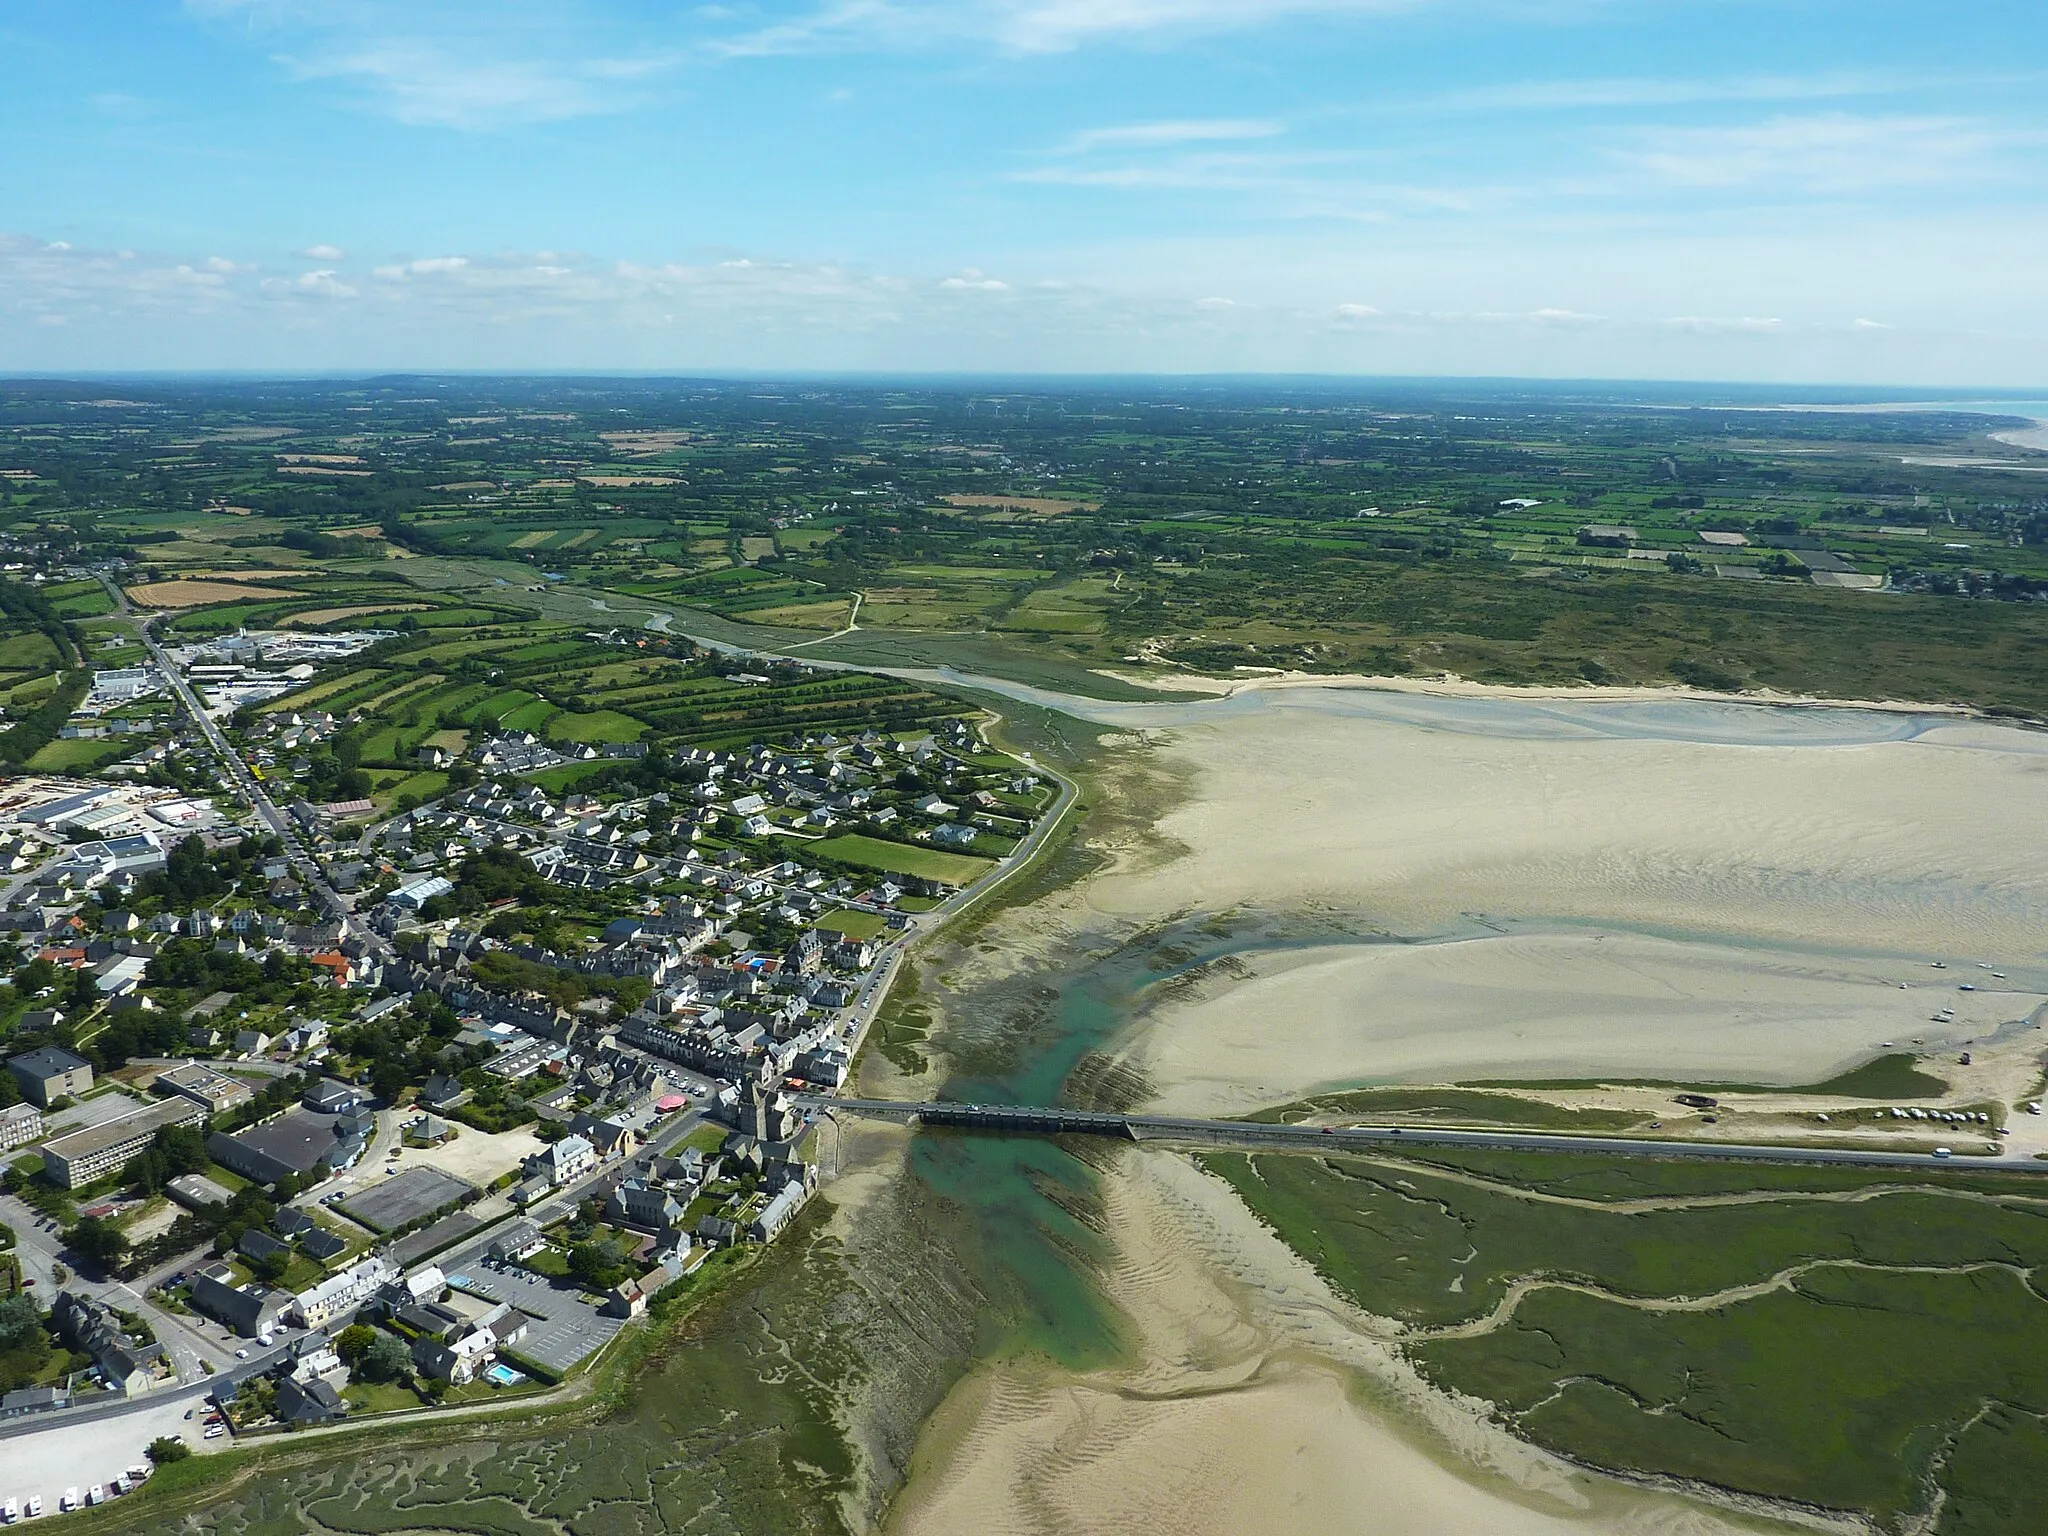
(1029, 1120)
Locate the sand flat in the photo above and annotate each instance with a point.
(1540, 1005)
(1248, 1406)
(1936, 840)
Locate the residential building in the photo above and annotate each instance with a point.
(128, 1367)
(518, 1241)
(49, 1074)
(308, 1402)
(564, 1161)
(251, 1310)
(214, 1092)
(78, 1157)
(20, 1124)
(301, 1142)
(339, 1295)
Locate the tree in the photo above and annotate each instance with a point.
(271, 1267)
(166, 1449)
(19, 1322)
(353, 1342)
(599, 1265)
(386, 1358)
(98, 1240)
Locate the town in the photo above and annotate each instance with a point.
(324, 1102)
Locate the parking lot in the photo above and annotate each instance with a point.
(47, 1459)
(564, 1330)
(405, 1197)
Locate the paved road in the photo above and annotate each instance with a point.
(236, 774)
(1030, 1119)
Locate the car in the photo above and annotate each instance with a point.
(10, 1511)
(1943, 1152)
(215, 1433)
(35, 1505)
(68, 1500)
(241, 1354)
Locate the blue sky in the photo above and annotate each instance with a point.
(1825, 190)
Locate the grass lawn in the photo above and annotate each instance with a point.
(551, 1262)
(855, 925)
(71, 756)
(596, 728)
(902, 859)
(379, 1397)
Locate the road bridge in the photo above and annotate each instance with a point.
(1044, 1121)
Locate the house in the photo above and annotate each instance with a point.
(778, 1212)
(307, 1402)
(251, 1310)
(953, 834)
(609, 1139)
(322, 1244)
(330, 1096)
(564, 1161)
(636, 1203)
(338, 1295)
(49, 1074)
(456, 1362)
(256, 1245)
(419, 1287)
(520, 1240)
(443, 1093)
(626, 1299)
(127, 1367)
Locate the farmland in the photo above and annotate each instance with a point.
(1388, 529)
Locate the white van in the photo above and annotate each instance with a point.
(10, 1511)
(68, 1500)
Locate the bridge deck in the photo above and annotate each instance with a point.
(1046, 1121)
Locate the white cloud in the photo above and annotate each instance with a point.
(1030, 26)
(1828, 152)
(1668, 91)
(1708, 324)
(972, 279)
(1186, 131)
(1215, 304)
(323, 253)
(460, 64)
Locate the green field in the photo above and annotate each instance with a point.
(855, 925)
(1451, 1106)
(1722, 1324)
(902, 859)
